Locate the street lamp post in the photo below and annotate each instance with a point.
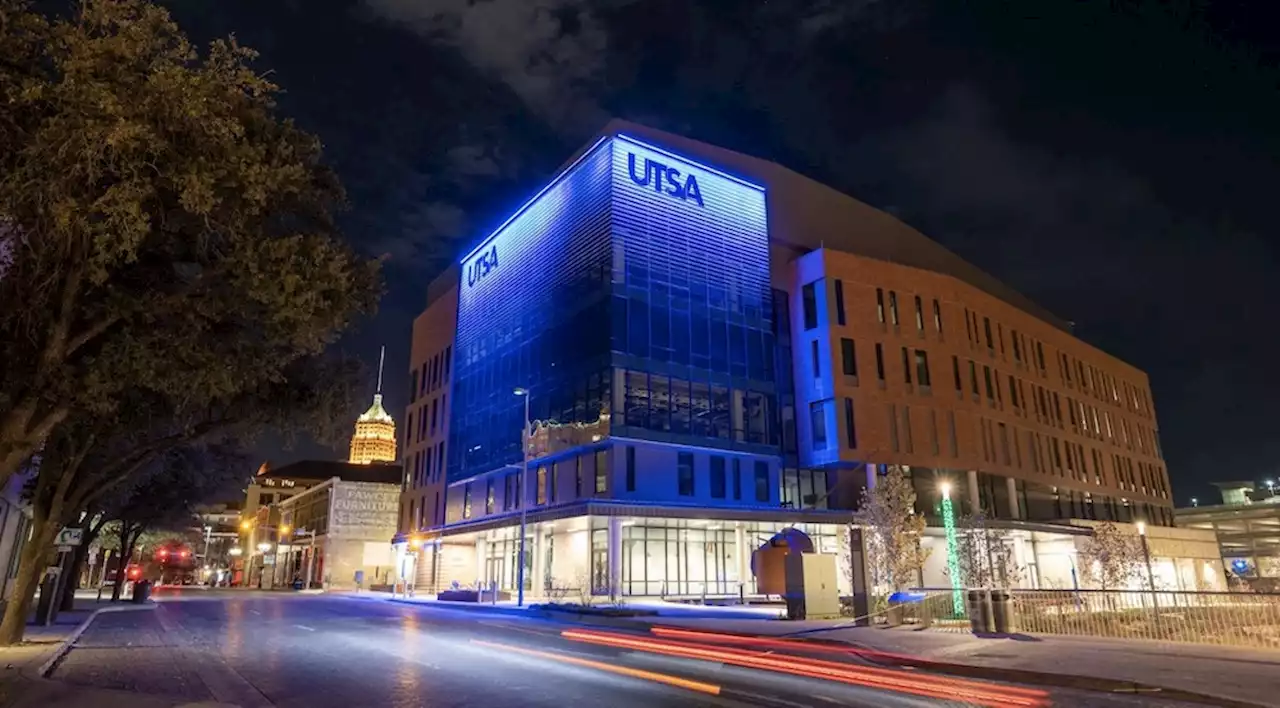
(1151, 577)
(524, 494)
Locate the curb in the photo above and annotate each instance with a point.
(550, 615)
(66, 645)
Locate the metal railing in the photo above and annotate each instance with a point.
(1221, 618)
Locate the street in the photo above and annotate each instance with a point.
(260, 649)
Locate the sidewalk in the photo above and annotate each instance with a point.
(1230, 674)
(22, 682)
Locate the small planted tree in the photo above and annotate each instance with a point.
(892, 530)
(986, 559)
(1112, 558)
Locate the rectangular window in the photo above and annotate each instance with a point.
(818, 420)
(880, 362)
(880, 305)
(809, 302)
(413, 388)
(737, 478)
(986, 326)
(937, 317)
(717, 477)
(968, 327)
(907, 440)
(631, 468)
(922, 368)
(973, 376)
(552, 479)
(893, 427)
(817, 368)
(1040, 354)
(466, 501)
(448, 360)
(1000, 338)
(762, 481)
(1013, 392)
(577, 476)
(684, 473)
(850, 432)
(986, 377)
(848, 358)
(955, 370)
(488, 498)
(933, 431)
(906, 366)
(542, 485)
(919, 315)
(893, 307)
(602, 472)
(839, 302)
(1017, 350)
(951, 433)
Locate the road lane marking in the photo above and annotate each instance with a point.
(255, 612)
(303, 626)
(699, 686)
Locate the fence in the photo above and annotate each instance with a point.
(1222, 618)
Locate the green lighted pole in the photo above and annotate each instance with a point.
(953, 557)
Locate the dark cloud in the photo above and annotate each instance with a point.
(1113, 161)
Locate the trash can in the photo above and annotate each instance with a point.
(978, 607)
(1002, 612)
(141, 591)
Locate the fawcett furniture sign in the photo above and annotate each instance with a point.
(365, 510)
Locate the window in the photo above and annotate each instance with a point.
(488, 498)
(973, 376)
(631, 468)
(817, 368)
(818, 419)
(986, 326)
(552, 479)
(839, 302)
(893, 307)
(933, 431)
(968, 326)
(893, 427)
(737, 478)
(850, 432)
(413, 388)
(919, 315)
(809, 301)
(1013, 392)
(922, 368)
(762, 481)
(906, 366)
(955, 369)
(848, 358)
(1017, 350)
(684, 473)
(880, 305)
(448, 359)
(880, 362)
(542, 485)
(466, 501)
(986, 376)
(717, 477)
(937, 317)
(1000, 338)
(951, 432)
(602, 472)
(1040, 354)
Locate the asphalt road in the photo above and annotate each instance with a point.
(261, 649)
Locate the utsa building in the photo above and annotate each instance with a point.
(713, 348)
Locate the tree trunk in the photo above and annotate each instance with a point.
(72, 582)
(35, 557)
(128, 539)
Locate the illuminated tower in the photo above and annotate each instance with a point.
(375, 437)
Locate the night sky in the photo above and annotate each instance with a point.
(1116, 162)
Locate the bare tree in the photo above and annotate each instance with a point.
(1111, 557)
(892, 529)
(985, 556)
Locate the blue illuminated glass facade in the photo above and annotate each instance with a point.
(635, 286)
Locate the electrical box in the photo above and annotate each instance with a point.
(812, 592)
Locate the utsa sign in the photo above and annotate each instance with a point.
(484, 264)
(665, 180)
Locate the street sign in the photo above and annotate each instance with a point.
(69, 537)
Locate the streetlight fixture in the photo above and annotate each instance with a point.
(524, 494)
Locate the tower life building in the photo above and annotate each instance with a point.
(375, 436)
